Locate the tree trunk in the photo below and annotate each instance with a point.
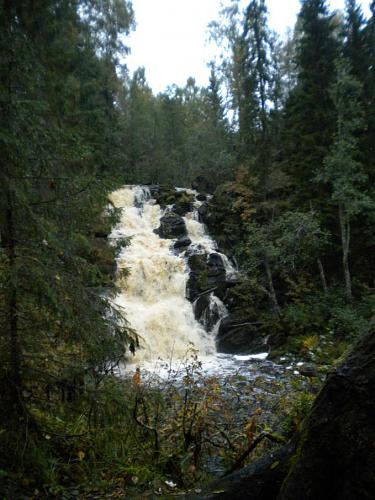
(14, 382)
(345, 242)
(322, 276)
(271, 288)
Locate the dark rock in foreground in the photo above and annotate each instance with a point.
(333, 457)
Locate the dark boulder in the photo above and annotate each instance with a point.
(154, 190)
(206, 311)
(181, 201)
(206, 273)
(181, 244)
(333, 457)
(204, 213)
(308, 370)
(336, 457)
(236, 336)
(171, 226)
(201, 197)
(182, 207)
(198, 276)
(216, 266)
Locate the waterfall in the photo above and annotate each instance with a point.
(153, 295)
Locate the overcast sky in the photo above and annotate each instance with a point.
(170, 38)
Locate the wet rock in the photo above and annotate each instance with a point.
(198, 276)
(182, 207)
(206, 273)
(201, 197)
(308, 370)
(206, 311)
(182, 243)
(154, 189)
(216, 266)
(181, 201)
(203, 212)
(171, 226)
(236, 336)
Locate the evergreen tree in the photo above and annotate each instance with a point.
(342, 170)
(369, 93)
(58, 333)
(253, 109)
(309, 111)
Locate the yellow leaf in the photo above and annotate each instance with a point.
(81, 455)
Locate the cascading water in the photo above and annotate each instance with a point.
(153, 294)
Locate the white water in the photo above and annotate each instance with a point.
(154, 293)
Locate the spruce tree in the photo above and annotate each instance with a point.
(256, 92)
(309, 111)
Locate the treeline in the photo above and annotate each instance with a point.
(285, 133)
(299, 214)
(60, 149)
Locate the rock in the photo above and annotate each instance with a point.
(216, 266)
(201, 197)
(180, 200)
(102, 234)
(183, 207)
(203, 212)
(171, 226)
(260, 480)
(308, 370)
(198, 276)
(236, 336)
(206, 272)
(182, 243)
(154, 189)
(333, 457)
(206, 311)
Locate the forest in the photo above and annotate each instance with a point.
(282, 140)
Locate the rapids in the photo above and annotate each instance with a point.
(154, 293)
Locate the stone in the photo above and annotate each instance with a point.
(201, 197)
(206, 312)
(215, 265)
(181, 244)
(308, 370)
(171, 226)
(238, 336)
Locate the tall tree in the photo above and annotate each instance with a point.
(256, 92)
(309, 111)
(342, 170)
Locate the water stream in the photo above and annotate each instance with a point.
(153, 295)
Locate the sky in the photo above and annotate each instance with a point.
(170, 40)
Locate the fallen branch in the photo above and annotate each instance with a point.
(250, 448)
